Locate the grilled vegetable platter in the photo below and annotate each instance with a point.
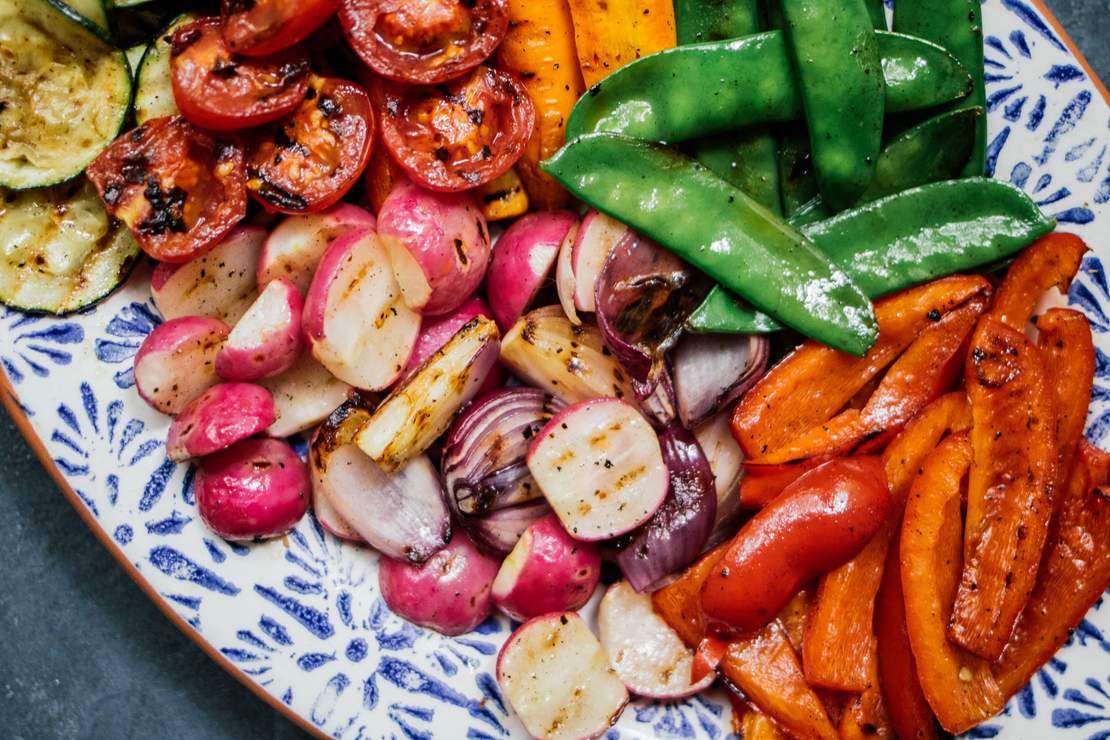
(707, 307)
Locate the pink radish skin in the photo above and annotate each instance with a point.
(304, 395)
(267, 340)
(600, 466)
(218, 418)
(523, 260)
(436, 331)
(595, 239)
(564, 275)
(446, 236)
(449, 593)
(220, 284)
(355, 319)
(547, 571)
(255, 489)
(295, 246)
(177, 362)
(648, 656)
(557, 678)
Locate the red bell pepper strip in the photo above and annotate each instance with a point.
(960, 688)
(1009, 493)
(762, 483)
(1050, 262)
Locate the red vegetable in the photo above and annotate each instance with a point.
(198, 192)
(220, 91)
(261, 27)
(820, 521)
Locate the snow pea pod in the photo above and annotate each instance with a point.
(877, 12)
(702, 89)
(912, 237)
(836, 59)
(713, 20)
(957, 25)
(718, 229)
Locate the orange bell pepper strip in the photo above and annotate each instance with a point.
(909, 712)
(539, 48)
(755, 725)
(502, 197)
(1069, 359)
(865, 717)
(840, 647)
(1074, 575)
(679, 602)
(814, 382)
(1009, 494)
(611, 33)
(765, 668)
(794, 616)
(382, 174)
(960, 687)
(761, 483)
(1050, 262)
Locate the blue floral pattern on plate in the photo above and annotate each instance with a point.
(301, 616)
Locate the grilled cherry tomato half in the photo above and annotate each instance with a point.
(458, 135)
(219, 90)
(178, 189)
(264, 27)
(424, 41)
(309, 160)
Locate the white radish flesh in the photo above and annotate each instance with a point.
(304, 395)
(600, 466)
(295, 246)
(355, 320)
(267, 340)
(177, 361)
(220, 284)
(596, 238)
(648, 656)
(557, 678)
(421, 408)
(218, 418)
(545, 349)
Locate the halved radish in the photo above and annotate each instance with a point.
(547, 571)
(648, 656)
(523, 259)
(295, 246)
(564, 275)
(600, 467)
(355, 320)
(177, 361)
(596, 238)
(557, 677)
(304, 395)
(267, 340)
(403, 515)
(436, 331)
(220, 284)
(330, 518)
(218, 418)
(421, 408)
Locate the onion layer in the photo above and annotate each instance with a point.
(711, 371)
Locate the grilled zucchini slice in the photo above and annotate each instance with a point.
(64, 93)
(154, 89)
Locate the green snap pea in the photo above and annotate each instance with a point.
(703, 89)
(876, 10)
(797, 184)
(910, 238)
(714, 20)
(836, 59)
(719, 230)
(957, 25)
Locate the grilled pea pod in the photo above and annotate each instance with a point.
(697, 21)
(718, 229)
(703, 89)
(910, 238)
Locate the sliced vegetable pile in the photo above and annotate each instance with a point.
(500, 413)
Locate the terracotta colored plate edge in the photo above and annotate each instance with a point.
(7, 396)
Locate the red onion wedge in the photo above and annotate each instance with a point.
(523, 259)
(545, 349)
(673, 538)
(657, 399)
(600, 467)
(500, 529)
(648, 656)
(726, 461)
(330, 519)
(402, 515)
(421, 408)
(643, 296)
(711, 371)
(595, 239)
(564, 276)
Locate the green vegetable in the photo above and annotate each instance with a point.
(702, 89)
(714, 20)
(876, 10)
(912, 237)
(836, 59)
(797, 183)
(154, 81)
(721, 231)
(957, 25)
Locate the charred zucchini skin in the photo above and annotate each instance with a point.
(101, 88)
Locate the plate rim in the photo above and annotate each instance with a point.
(11, 403)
